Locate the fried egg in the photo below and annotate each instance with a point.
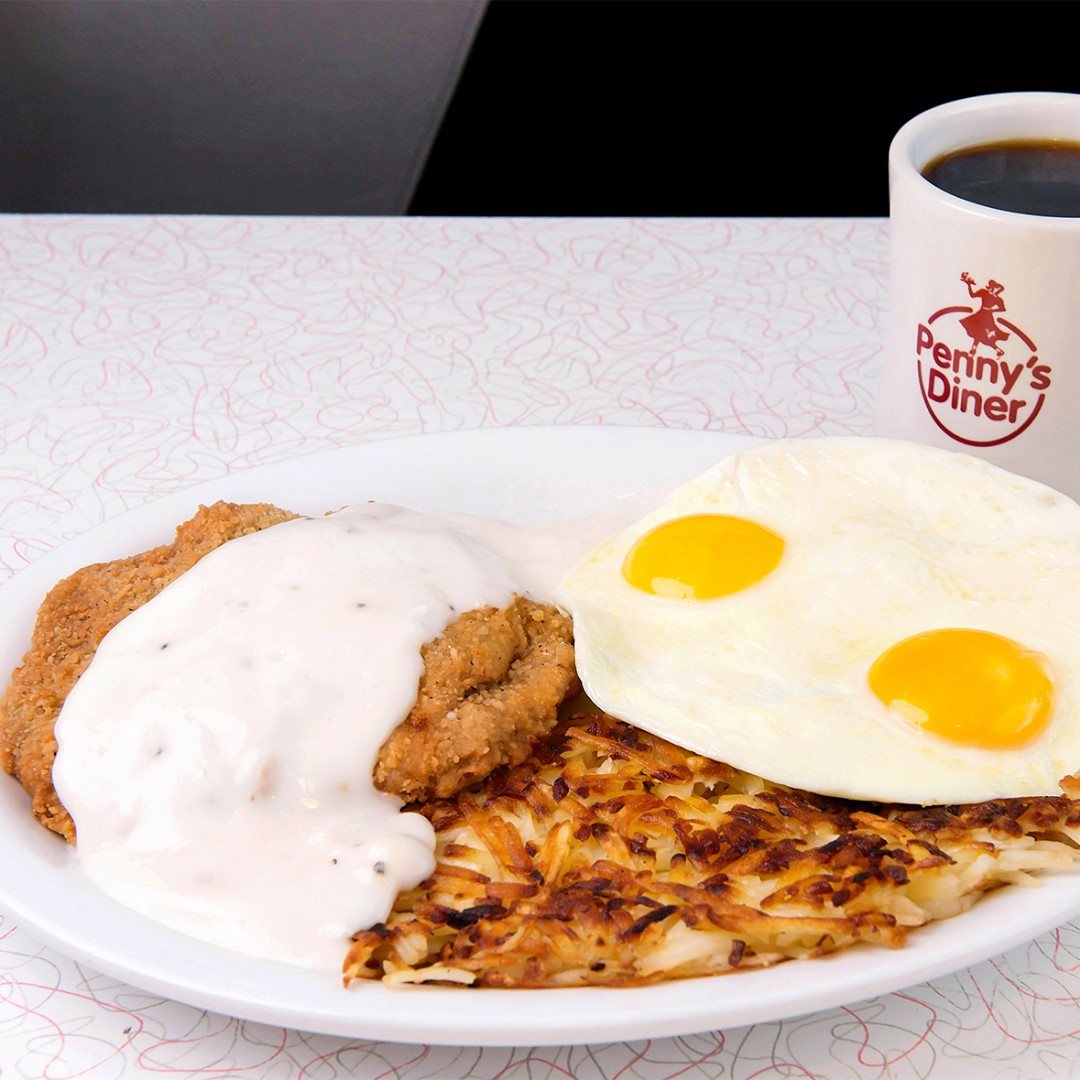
(863, 618)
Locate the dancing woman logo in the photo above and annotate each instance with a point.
(980, 375)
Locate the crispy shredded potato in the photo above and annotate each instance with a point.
(613, 857)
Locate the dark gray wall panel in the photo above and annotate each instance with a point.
(224, 107)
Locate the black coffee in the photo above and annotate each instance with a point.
(1035, 177)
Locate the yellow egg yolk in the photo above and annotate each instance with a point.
(702, 557)
(970, 686)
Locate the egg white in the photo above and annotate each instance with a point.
(884, 540)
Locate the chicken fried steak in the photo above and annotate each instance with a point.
(492, 684)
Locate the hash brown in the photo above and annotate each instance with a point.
(614, 857)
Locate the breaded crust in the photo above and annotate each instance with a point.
(74, 617)
(614, 857)
(492, 686)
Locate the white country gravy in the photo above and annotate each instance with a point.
(216, 755)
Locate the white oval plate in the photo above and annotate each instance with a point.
(526, 474)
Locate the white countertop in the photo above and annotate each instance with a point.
(140, 356)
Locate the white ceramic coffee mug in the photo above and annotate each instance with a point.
(983, 349)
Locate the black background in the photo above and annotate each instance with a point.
(718, 109)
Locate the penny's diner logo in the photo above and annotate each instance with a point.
(980, 375)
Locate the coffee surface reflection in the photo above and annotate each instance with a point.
(1040, 177)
